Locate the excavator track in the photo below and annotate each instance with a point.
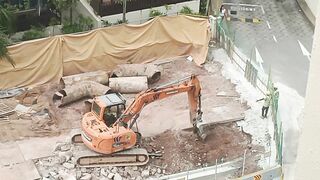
(130, 157)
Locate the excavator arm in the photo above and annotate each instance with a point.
(191, 85)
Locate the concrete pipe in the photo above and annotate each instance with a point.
(128, 84)
(153, 72)
(96, 76)
(78, 91)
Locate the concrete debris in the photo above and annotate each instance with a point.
(189, 58)
(117, 177)
(65, 147)
(11, 92)
(103, 172)
(68, 165)
(111, 175)
(128, 85)
(145, 173)
(78, 174)
(225, 94)
(29, 97)
(79, 91)
(135, 168)
(96, 76)
(151, 71)
(86, 176)
(22, 109)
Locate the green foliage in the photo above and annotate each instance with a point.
(153, 13)
(106, 23)
(34, 33)
(6, 21)
(4, 42)
(168, 7)
(120, 21)
(186, 10)
(63, 4)
(83, 24)
(26, 4)
(203, 6)
(53, 21)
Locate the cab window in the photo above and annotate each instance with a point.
(110, 115)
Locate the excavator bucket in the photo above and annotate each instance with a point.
(200, 127)
(201, 131)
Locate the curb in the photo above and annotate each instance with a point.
(306, 10)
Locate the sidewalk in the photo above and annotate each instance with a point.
(306, 10)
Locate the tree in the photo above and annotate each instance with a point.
(4, 42)
(61, 5)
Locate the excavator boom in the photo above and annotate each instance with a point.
(190, 84)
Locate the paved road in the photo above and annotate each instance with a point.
(277, 39)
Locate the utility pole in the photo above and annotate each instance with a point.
(124, 5)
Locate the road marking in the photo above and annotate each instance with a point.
(268, 25)
(236, 4)
(262, 9)
(274, 38)
(304, 50)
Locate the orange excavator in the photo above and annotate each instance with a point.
(107, 128)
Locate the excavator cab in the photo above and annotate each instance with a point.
(109, 107)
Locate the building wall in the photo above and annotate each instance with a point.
(135, 17)
(308, 160)
(141, 16)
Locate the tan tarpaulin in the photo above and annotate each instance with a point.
(37, 62)
(46, 60)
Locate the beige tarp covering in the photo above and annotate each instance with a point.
(46, 60)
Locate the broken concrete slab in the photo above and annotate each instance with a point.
(10, 154)
(11, 92)
(39, 147)
(21, 171)
(5, 110)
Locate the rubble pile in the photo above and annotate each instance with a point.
(62, 165)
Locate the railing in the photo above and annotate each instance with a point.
(106, 9)
(255, 76)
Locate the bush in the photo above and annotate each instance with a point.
(186, 10)
(153, 13)
(203, 7)
(120, 21)
(106, 23)
(34, 33)
(83, 24)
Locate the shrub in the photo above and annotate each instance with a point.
(83, 24)
(106, 23)
(153, 13)
(186, 10)
(34, 33)
(120, 21)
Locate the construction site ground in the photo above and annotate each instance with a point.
(35, 142)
